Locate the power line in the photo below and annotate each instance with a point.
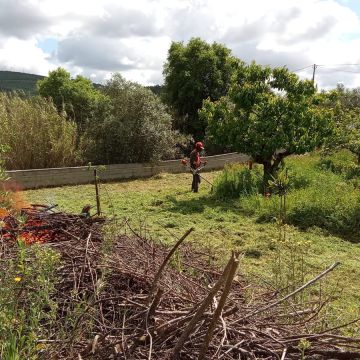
(325, 66)
(329, 68)
(331, 65)
(342, 70)
(306, 67)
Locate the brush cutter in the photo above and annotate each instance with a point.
(197, 171)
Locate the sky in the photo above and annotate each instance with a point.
(96, 38)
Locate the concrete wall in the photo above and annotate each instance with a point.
(37, 178)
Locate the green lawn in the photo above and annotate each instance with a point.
(164, 203)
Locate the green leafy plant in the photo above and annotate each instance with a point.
(268, 114)
(280, 187)
(27, 309)
(303, 346)
(289, 254)
(194, 72)
(237, 180)
(137, 127)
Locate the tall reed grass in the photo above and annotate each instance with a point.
(36, 135)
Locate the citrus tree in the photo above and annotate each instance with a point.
(269, 113)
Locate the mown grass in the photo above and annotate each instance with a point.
(316, 236)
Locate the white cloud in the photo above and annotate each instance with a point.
(24, 56)
(97, 38)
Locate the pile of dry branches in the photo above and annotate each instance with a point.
(127, 297)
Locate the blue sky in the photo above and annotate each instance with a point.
(48, 45)
(352, 4)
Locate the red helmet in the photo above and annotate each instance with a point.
(199, 146)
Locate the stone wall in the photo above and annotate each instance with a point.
(38, 178)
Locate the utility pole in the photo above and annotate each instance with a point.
(313, 76)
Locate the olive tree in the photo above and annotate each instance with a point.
(136, 126)
(269, 113)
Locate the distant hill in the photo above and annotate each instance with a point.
(156, 89)
(12, 80)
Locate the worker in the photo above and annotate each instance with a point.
(195, 163)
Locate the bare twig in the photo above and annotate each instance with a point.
(224, 295)
(207, 301)
(312, 281)
(166, 260)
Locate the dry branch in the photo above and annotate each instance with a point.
(116, 311)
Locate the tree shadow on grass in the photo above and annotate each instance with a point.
(199, 204)
(303, 218)
(316, 217)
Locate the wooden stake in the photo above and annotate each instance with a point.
(97, 193)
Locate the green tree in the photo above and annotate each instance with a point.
(135, 128)
(77, 98)
(195, 72)
(268, 114)
(346, 106)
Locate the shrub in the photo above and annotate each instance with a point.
(300, 171)
(136, 128)
(341, 162)
(236, 180)
(328, 202)
(36, 135)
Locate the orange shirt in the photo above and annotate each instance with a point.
(195, 160)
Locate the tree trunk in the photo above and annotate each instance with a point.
(271, 166)
(358, 159)
(268, 174)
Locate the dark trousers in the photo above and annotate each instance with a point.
(195, 182)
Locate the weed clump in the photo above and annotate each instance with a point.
(343, 163)
(26, 315)
(328, 201)
(236, 181)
